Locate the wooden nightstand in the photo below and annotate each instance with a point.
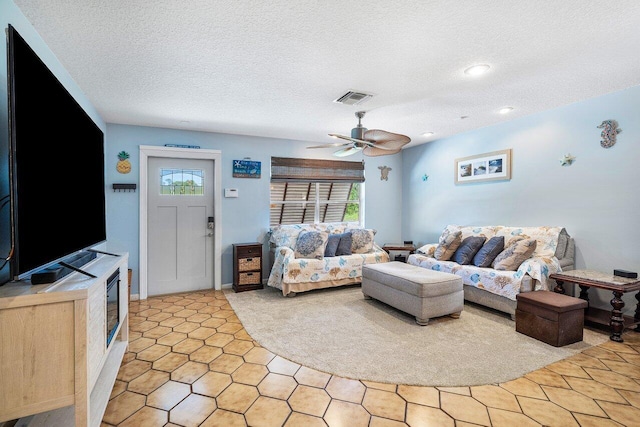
(247, 266)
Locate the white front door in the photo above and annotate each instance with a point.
(180, 195)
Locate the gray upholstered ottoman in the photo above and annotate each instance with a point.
(415, 290)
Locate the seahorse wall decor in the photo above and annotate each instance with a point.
(609, 132)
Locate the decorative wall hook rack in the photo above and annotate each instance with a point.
(124, 187)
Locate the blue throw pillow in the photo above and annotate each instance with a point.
(344, 247)
(467, 249)
(332, 245)
(489, 252)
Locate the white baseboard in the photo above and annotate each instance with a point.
(135, 297)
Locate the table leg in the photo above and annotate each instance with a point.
(559, 289)
(636, 317)
(584, 293)
(617, 321)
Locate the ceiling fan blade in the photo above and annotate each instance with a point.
(346, 151)
(347, 138)
(332, 144)
(356, 141)
(378, 151)
(379, 136)
(381, 146)
(386, 143)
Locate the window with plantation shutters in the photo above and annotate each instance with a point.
(304, 191)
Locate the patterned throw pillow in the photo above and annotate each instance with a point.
(512, 240)
(489, 252)
(361, 240)
(344, 247)
(467, 249)
(311, 244)
(514, 255)
(447, 245)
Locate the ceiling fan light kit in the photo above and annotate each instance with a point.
(374, 142)
(476, 70)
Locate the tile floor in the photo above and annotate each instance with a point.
(191, 363)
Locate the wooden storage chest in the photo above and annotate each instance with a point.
(550, 317)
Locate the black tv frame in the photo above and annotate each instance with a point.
(18, 273)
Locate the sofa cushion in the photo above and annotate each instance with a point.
(547, 238)
(467, 249)
(332, 245)
(514, 255)
(361, 240)
(447, 245)
(344, 247)
(489, 252)
(311, 244)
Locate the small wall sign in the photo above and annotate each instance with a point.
(246, 169)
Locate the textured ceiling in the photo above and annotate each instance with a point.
(273, 67)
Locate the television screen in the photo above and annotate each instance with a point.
(57, 176)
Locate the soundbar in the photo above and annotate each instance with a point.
(63, 268)
(48, 275)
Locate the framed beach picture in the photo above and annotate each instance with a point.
(492, 166)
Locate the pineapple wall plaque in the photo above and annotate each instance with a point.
(123, 166)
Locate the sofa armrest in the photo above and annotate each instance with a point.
(284, 253)
(282, 256)
(539, 268)
(377, 249)
(428, 249)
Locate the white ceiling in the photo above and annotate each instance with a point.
(273, 67)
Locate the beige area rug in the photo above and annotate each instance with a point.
(339, 332)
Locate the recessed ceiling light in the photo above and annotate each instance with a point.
(427, 134)
(476, 70)
(505, 110)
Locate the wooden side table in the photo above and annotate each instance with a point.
(247, 266)
(619, 285)
(399, 247)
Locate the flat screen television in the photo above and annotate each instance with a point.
(56, 166)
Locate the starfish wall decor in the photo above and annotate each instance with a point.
(567, 160)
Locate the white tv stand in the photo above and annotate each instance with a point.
(53, 346)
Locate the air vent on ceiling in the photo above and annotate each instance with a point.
(353, 98)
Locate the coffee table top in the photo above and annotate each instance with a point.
(597, 279)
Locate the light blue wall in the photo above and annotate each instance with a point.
(246, 218)
(10, 14)
(596, 199)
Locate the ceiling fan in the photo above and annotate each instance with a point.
(374, 142)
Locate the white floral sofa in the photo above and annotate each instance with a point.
(293, 275)
(497, 289)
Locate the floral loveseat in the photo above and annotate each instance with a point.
(294, 274)
(554, 251)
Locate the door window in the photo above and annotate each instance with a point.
(176, 182)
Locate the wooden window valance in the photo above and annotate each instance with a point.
(315, 170)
